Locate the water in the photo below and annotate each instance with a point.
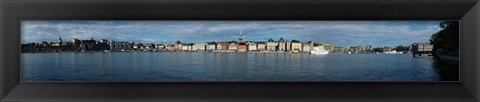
(192, 66)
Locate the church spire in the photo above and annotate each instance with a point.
(60, 42)
(241, 38)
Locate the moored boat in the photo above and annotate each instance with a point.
(393, 52)
(319, 50)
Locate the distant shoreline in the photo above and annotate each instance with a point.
(246, 52)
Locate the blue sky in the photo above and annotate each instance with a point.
(339, 33)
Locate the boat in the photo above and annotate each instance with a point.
(319, 50)
(393, 52)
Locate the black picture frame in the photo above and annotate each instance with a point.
(13, 11)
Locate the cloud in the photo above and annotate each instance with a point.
(339, 33)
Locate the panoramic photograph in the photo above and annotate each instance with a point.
(239, 51)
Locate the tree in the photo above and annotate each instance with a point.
(378, 49)
(446, 40)
(402, 48)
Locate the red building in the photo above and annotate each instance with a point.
(242, 47)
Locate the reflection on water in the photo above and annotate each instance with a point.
(191, 66)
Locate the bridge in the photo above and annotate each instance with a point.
(421, 48)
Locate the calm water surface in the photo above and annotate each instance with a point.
(192, 66)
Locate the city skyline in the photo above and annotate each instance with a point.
(339, 33)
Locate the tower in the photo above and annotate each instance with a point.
(60, 42)
(240, 39)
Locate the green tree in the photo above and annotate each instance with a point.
(446, 40)
(379, 49)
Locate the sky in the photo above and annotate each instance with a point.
(338, 33)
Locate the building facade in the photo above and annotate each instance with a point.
(339, 50)
(232, 46)
(327, 46)
(252, 46)
(387, 49)
(271, 45)
(281, 45)
(306, 47)
(296, 46)
(288, 46)
(261, 46)
(198, 47)
(222, 46)
(170, 47)
(242, 47)
(211, 46)
(117, 46)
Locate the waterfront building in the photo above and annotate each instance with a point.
(94, 46)
(252, 46)
(306, 47)
(369, 48)
(190, 46)
(222, 46)
(178, 46)
(199, 47)
(296, 46)
(170, 47)
(339, 50)
(55, 44)
(116, 46)
(232, 45)
(327, 46)
(211, 46)
(354, 49)
(421, 47)
(184, 47)
(261, 46)
(288, 46)
(103, 41)
(44, 43)
(76, 42)
(311, 44)
(219, 46)
(360, 49)
(271, 45)
(91, 41)
(82, 46)
(363, 49)
(281, 44)
(242, 47)
(387, 49)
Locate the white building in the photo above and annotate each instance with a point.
(306, 47)
(232, 46)
(271, 45)
(211, 46)
(198, 47)
(184, 48)
(252, 46)
(281, 45)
